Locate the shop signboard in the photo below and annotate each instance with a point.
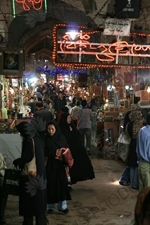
(82, 49)
(128, 8)
(117, 27)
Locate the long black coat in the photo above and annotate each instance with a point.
(57, 186)
(59, 103)
(82, 168)
(132, 156)
(33, 194)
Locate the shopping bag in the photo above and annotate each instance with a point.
(11, 181)
(124, 139)
(123, 150)
(67, 156)
(30, 167)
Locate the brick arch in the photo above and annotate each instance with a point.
(21, 35)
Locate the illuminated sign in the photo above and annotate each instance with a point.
(103, 52)
(83, 52)
(27, 5)
(35, 4)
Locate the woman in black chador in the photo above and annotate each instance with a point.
(82, 168)
(57, 186)
(32, 198)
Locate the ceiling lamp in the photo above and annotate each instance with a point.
(73, 34)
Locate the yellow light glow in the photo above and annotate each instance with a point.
(116, 182)
(148, 89)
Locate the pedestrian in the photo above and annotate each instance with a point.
(42, 113)
(125, 177)
(57, 186)
(143, 154)
(32, 203)
(59, 114)
(84, 124)
(52, 109)
(60, 102)
(68, 105)
(43, 117)
(132, 130)
(74, 112)
(100, 129)
(82, 168)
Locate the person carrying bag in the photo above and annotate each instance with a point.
(32, 197)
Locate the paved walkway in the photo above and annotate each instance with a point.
(101, 201)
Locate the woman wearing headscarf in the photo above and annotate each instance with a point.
(132, 129)
(142, 208)
(82, 168)
(57, 186)
(59, 114)
(32, 198)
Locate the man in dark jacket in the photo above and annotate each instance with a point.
(60, 102)
(43, 113)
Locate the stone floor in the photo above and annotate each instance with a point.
(101, 201)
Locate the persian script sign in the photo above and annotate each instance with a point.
(117, 27)
(102, 51)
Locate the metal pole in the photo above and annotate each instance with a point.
(80, 49)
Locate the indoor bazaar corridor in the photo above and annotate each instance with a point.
(101, 201)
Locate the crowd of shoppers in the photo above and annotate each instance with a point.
(52, 131)
(73, 127)
(46, 135)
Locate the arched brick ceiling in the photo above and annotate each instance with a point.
(38, 37)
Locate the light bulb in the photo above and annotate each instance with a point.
(73, 34)
(148, 89)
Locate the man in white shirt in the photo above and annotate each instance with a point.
(74, 113)
(84, 124)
